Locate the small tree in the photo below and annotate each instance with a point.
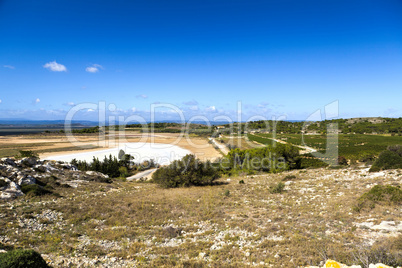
(123, 172)
(186, 172)
(121, 154)
(28, 153)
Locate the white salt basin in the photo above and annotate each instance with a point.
(161, 153)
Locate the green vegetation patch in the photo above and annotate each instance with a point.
(263, 140)
(19, 258)
(34, 190)
(277, 188)
(361, 147)
(86, 130)
(380, 194)
(110, 166)
(186, 172)
(272, 159)
(28, 153)
(389, 159)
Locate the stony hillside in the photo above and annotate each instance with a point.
(256, 222)
(31, 174)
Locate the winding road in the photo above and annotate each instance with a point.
(146, 174)
(221, 146)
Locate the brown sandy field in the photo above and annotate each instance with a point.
(58, 144)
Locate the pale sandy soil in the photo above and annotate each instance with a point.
(197, 145)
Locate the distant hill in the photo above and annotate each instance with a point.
(9, 122)
(374, 120)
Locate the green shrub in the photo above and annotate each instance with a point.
(186, 172)
(123, 172)
(109, 166)
(387, 160)
(241, 182)
(34, 189)
(21, 259)
(277, 188)
(28, 153)
(386, 194)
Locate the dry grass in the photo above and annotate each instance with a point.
(313, 219)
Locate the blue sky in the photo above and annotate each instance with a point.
(278, 58)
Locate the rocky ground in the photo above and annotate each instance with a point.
(31, 171)
(133, 224)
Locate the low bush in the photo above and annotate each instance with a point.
(389, 159)
(34, 189)
(19, 258)
(277, 188)
(186, 172)
(380, 194)
(28, 153)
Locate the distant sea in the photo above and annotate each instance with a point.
(8, 122)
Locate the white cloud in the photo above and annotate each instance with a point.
(37, 100)
(143, 96)
(91, 69)
(133, 109)
(210, 109)
(9, 67)
(194, 108)
(94, 68)
(0, 101)
(90, 110)
(70, 103)
(55, 67)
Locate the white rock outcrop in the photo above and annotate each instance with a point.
(10, 190)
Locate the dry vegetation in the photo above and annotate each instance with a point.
(228, 225)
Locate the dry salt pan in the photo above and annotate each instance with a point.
(161, 153)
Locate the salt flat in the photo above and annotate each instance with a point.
(162, 154)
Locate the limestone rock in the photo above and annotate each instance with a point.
(27, 180)
(10, 190)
